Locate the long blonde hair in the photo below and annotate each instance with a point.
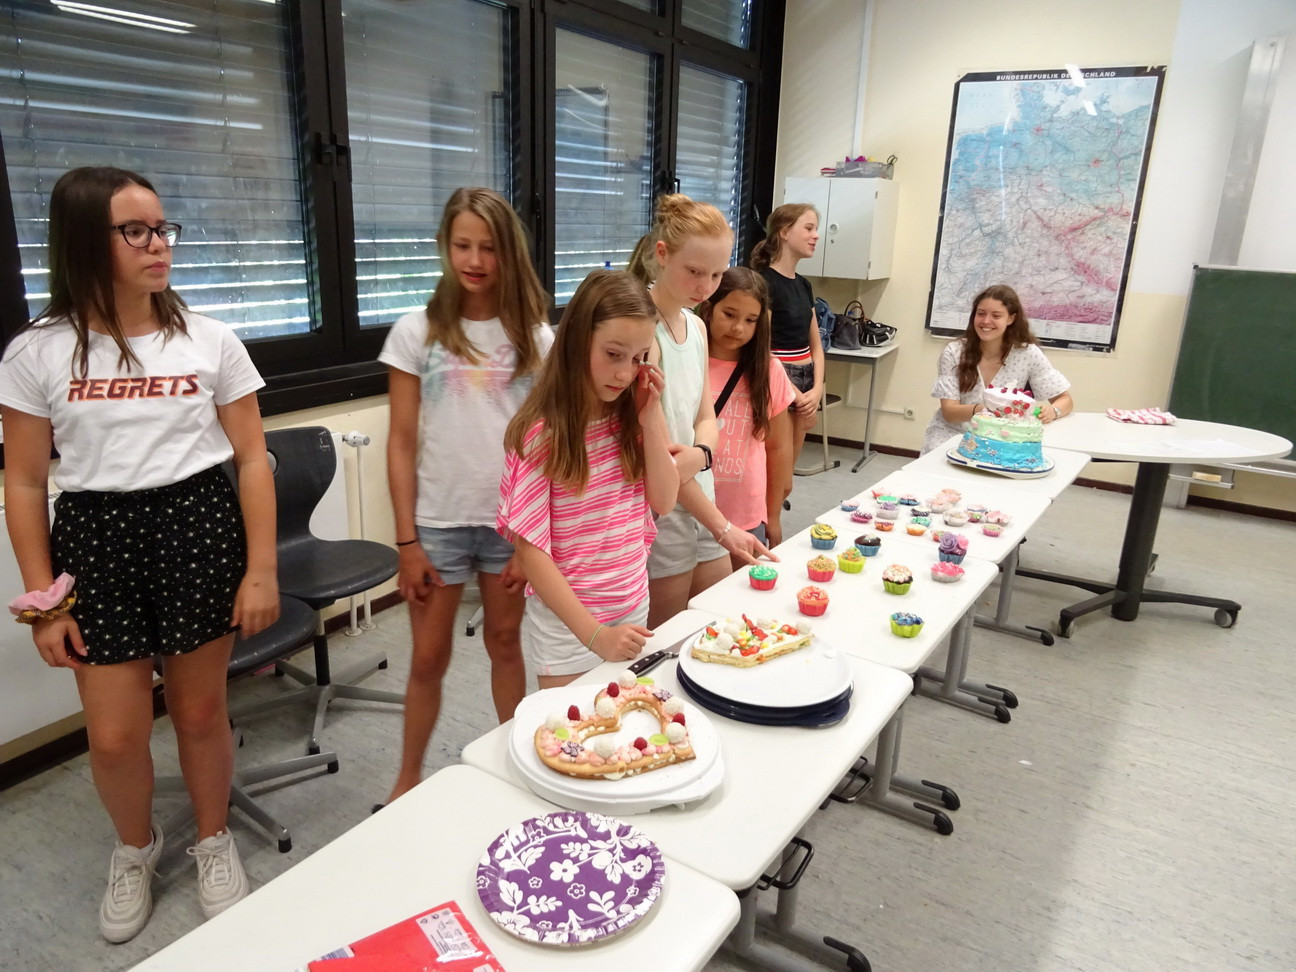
(678, 218)
(523, 303)
(767, 250)
(563, 397)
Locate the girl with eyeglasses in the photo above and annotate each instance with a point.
(152, 552)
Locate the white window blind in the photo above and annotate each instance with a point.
(195, 96)
(729, 20)
(603, 134)
(710, 139)
(428, 112)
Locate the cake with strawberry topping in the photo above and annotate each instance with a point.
(578, 743)
(1009, 436)
(746, 643)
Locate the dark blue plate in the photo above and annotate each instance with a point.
(809, 717)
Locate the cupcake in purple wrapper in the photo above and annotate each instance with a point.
(953, 548)
(860, 516)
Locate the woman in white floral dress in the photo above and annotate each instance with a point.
(998, 350)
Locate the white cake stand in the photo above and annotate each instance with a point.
(959, 459)
(806, 677)
(674, 785)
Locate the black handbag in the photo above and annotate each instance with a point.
(846, 330)
(874, 334)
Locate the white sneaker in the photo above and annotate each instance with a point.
(221, 879)
(128, 902)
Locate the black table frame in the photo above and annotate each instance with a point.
(1136, 559)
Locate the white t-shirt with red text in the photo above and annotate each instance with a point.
(118, 430)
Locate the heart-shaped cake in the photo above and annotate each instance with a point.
(580, 744)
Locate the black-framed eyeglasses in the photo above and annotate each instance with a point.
(140, 234)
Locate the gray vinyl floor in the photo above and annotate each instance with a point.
(1133, 815)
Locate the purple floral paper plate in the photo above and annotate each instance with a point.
(569, 878)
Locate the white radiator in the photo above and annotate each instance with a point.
(32, 694)
(330, 521)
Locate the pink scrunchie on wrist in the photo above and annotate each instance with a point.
(43, 600)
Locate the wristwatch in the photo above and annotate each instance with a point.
(706, 451)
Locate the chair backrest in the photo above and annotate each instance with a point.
(304, 461)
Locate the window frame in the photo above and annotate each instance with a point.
(336, 361)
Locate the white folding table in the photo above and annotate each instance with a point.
(858, 622)
(952, 684)
(775, 779)
(870, 357)
(420, 851)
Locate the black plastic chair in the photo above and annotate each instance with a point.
(287, 636)
(320, 572)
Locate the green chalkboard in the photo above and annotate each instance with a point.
(1237, 356)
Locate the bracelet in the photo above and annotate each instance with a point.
(32, 615)
(406, 543)
(721, 535)
(590, 645)
(706, 452)
(53, 602)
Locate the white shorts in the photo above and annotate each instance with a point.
(682, 543)
(551, 649)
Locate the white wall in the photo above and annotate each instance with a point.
(918, 50)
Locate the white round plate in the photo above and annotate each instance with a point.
(805, 677)
(959, 459)
(659, 788)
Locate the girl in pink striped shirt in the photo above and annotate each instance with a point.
(588, 462)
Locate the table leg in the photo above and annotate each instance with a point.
(881, 781)
(867, 454)
(1128, 593)
(778, 929)
(952, 686)
(1007, 578)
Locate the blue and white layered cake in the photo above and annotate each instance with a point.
(1008, 437)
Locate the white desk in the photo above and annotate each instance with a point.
(1067, 466)
(419, 851)
(870, 357)
(1155, 448)
(858, 622)
(775, 778)
(1024, 508)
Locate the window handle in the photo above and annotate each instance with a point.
(324, 150)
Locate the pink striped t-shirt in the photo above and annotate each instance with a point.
(599, 540)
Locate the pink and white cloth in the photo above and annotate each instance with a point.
(1141, 416)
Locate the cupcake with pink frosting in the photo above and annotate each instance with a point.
(946, 573)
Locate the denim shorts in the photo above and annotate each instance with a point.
(800, 373)
(681, 544)
(458, 553)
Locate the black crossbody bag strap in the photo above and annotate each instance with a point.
(725, 392)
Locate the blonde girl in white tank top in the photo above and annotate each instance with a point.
(683, 257)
